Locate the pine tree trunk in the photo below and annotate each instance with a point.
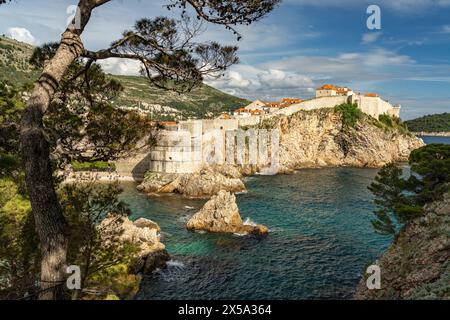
(51, 225)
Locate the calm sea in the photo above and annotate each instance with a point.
(320, 242)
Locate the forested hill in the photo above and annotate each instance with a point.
(430, 123)
(202, 102)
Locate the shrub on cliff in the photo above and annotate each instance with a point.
(400, 197)
(350, 114)
(392, 122)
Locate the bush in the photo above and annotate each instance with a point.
(386, 120)
(93, 166)
(401, 198)
(350, 114)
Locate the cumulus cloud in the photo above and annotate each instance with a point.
(297, 76)
(123, 67)
(236, 80)
(268, 84)
(370, 37)
(278, 79)
(22, 35)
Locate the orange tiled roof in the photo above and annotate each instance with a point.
(343, 90)
(327, 87)
(167, 123)
(373, 95)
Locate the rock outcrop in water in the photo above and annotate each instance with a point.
(318, 138)
(202, 184)
(417, 265)
(221, 214)
(142, 233)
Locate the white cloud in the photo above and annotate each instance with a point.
(445, 29)
(236, 80)
(117, 66)
(260, 83)
(278, 79)
(22, 35)
(382, 57)
(371, 37)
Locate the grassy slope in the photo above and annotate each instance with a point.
(199, 103)
(430, 123)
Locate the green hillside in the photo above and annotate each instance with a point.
(14, 64)
(430, 123)
(202, 102)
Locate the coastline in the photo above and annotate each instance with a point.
(431, 134)
(92, 176)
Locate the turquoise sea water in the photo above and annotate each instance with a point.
(320, 242)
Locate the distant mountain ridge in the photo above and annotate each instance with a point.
(437, 123)
(202, 102)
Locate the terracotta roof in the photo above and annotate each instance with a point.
(343, 90)
(373, 95)
(327, 87)
(167, 123)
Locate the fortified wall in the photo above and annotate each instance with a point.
(187, 146)
(192, 144)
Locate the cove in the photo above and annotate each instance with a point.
(320, 242)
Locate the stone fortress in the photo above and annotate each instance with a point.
(186, 146)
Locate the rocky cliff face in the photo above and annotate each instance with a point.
(202, 184)
(145, 235)
(221, 214)
(319, 139)
(417, 265)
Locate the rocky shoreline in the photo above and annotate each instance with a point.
(432, 134)
(417, 264)
(205, 183)
(144, 234)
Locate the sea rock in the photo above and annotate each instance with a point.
(221, 214)
(317, 139)
(142, 233)
(204, 183)
(417, 264)
(146, 223)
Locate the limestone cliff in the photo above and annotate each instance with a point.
(318, 138)
(417, 265)
(144, 234)
(202, 184)
(221, 214)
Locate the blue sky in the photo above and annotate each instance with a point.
(302, 44)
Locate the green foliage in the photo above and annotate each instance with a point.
(432, 163)
(202, 102)
(430, 123)
(350, 114)
(93, 166)
(386, 120)
(14, 65)
(198, 103)
(19, 263)
(103, 259)
(399, 197)
(11, 106)
(392, 122)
